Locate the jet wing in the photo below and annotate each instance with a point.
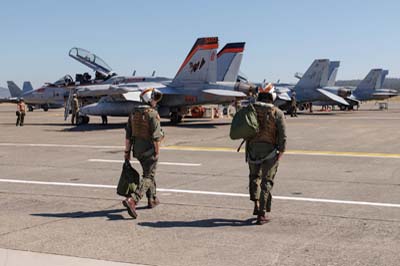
(284, 96)
(227, 93)
(101, 90)
(333, 97)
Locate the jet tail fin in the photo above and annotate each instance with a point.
(332, 73)
(15, 91)
(374, 80)
(229, 59)
(27, 86)
(314, 76)
(200, 65)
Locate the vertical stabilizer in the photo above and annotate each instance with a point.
(314, 76)
(200, 65)
(332, 73)
(27, 86)
(15, 91)
(229, 59)
(374, 80)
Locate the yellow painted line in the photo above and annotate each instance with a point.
(345, 154)
(292, 152)
(192, 148)
(218, 149)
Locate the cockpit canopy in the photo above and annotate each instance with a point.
(91, 60)
(64, 81)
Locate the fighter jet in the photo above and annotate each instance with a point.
(370, 87)
(50, 95)
(314, 86)
(195, 83)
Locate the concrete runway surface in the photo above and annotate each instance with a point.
(336, 195)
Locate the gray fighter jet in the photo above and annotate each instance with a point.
(196, 83)
(314, 86)
(50, 95)
(370, 87)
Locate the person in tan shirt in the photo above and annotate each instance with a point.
(21, 111)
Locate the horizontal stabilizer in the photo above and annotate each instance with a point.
(333, 97)
(352, 100)
(387, 94)
(132, 96)
(227, 93)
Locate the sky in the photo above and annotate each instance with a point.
(282, 37)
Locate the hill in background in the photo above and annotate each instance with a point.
(4, 93)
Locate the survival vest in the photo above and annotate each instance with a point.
(266, 118)
(140, 123)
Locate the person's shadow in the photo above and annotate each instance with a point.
(111, 215)
(215, 222)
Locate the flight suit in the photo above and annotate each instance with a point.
(262, 153)
(293, 103)
(21, 111)
(75, 110)
(143, 129)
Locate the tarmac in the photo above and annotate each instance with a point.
(336, 195)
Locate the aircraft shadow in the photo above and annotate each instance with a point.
(195, 124)
(316, 114)
(216, 222)
(111, 215)
(95, 127)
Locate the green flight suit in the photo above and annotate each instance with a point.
(75, 110)
(262, 156)
(144, 151)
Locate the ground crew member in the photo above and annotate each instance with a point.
(293, 103)
(21, 111)
(75, 109)
(104, 120)
(143, 137)
(263, 153)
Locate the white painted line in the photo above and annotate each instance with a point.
(9, 257)
(61, 146)
(160, 163)
(366, 203)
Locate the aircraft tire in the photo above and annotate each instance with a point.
(45, 108)
(79, 120)
(176, 118)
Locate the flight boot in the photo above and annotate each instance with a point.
(262, 219)
(152, 203)
(256, 207)
(130, 206)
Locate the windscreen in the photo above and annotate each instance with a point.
(90, 60)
